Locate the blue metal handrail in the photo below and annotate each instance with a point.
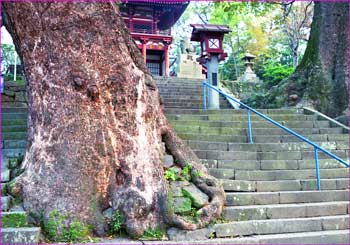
(316, 147)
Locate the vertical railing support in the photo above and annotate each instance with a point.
(249, 128)
(204, 97)
(317, 169)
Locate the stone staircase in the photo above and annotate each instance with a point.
(15, 226)
(176, 95)
(271, 184)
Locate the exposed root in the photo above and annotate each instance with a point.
(206, 183)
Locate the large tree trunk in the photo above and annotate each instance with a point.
(96, 125)
(322, 77)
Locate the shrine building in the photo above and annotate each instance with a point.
(149, 23)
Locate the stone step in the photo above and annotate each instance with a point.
(5, 175)
(280, 211)
(267, 112)
(182, 104)
(173, 87)
(259, 138)
(14, 136)
(200, 237)
(279, 226)
(338, 137)
(14, 115)
(255, 131)
(6, 203)
(284, 185)
(240, 118)
(270, 175)
(254, 124)
(14, 144)
(254, 155)
(14, 110)
(16, 128)
(284, 197)
(13, 122)
(319, 237)
(14, 152)
(27, 235)
(260, 147)
(271, 164)
(166, 88)
(192, 106)
(187, 100)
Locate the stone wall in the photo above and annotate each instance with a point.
(14, 95)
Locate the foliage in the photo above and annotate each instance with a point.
(274, 73)
(19, 79)
(58, 229)
(186, 171)
(195, 214)
(14, 220)
(116, 223)
(76, 232)
(7, 56)
(197, 173)
(152, 234)
(170, 174)
(15, 162)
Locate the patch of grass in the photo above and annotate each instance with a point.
(153, 234)
(76, 232)
(197, 173)
(186, 171)
(170, 174)
(59, 229)
(15, 220)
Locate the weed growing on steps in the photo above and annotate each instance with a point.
(14, 220)
(116, 225)
(153, 234)
(58, 229)
(170, 174)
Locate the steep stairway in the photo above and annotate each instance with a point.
(270, 184)
(184, 93)
(271, 188)
(15, 227)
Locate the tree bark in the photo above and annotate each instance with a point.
(322, 76)
(96, 125)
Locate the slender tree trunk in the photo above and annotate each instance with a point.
(96, 126)
(322, 76)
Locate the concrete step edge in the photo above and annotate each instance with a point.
(285, 205)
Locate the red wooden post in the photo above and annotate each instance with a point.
(166, 60)
(144, 50)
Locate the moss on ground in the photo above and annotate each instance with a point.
(14, 220)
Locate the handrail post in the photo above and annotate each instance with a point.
(249, 128)
(204, 97)
(317, 169)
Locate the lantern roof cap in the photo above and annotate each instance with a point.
(248, 56)
(198, 29)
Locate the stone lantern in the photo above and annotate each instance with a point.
(210, 38)
(249, 75)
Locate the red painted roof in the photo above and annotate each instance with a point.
(171, 10)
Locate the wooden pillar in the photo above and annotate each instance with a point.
(144, 50)
(166, 59)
